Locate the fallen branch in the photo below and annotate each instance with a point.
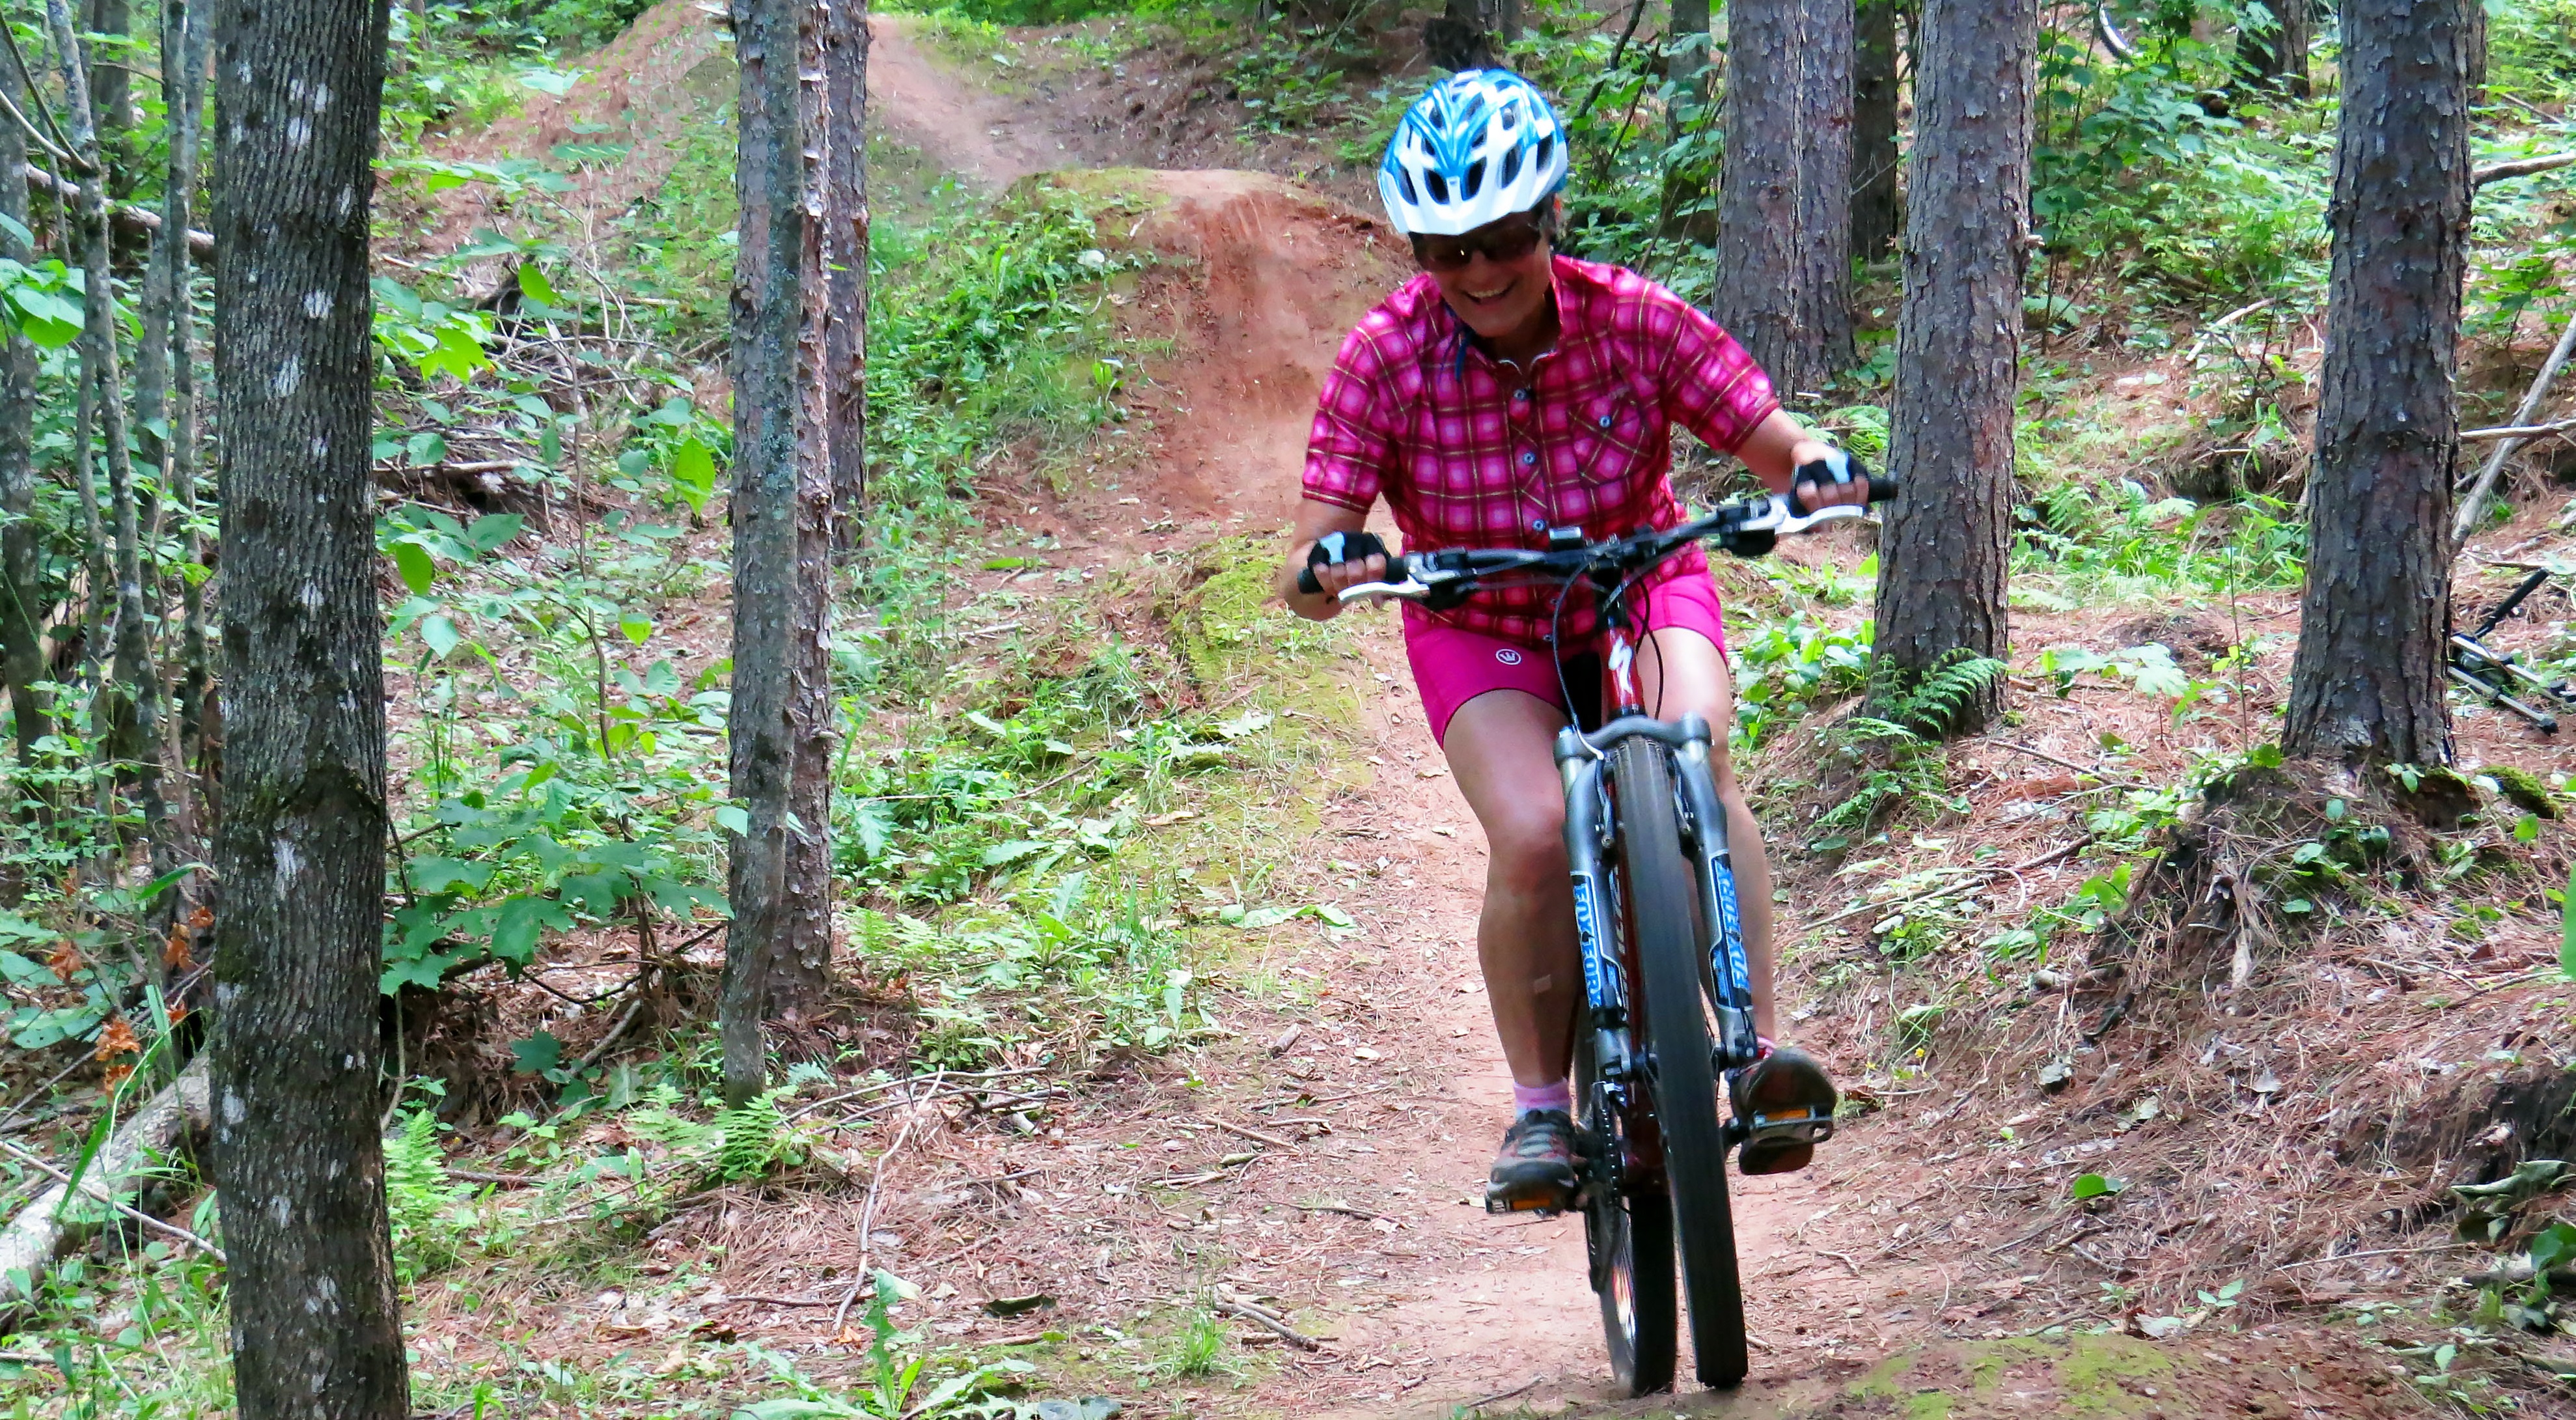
(2520, 167)
(41, 1232)
(2475, 504)
(124, 214)
(1272, 1322)
(2516, 432)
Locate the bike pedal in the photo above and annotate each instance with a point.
(1505, 1207)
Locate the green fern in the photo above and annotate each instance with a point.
(1935, 703)
(420, 1198)
(754, 1138)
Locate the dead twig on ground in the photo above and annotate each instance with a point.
(1502, 1394)
(1270, 1321)
(1254, 1135)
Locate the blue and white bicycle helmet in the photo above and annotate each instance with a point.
(1481, 145)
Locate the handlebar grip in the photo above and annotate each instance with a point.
(1336, 547)
(1883, 488)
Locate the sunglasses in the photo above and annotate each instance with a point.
(1506, 240)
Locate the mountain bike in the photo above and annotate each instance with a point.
(1669, 995)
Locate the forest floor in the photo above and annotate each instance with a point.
(1325, 1158)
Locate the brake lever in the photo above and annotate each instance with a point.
(1779, 520)
(1407, 590)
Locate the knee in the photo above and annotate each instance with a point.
(1528, 848)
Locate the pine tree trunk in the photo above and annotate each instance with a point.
(2367, 682)
(1688, 70)
(782, 517)
(1874, 152)
(2272, 48)
(845, 198)
(1784, 210)
(1943, 554)
(316, 1320)
(2474, 14)
(1460, 37)
(22, 610)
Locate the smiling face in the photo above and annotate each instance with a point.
(1502, 298)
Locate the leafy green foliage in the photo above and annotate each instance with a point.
(895, 1372)
(1784, 669)
(2083, 544)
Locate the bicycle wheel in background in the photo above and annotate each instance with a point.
(1630, 1241)
(1662, 900)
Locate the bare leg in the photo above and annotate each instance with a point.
(1501, 749)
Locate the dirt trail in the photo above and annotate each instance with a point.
(1446, 1305)
(1875, 1283)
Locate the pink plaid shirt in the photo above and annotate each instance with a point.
(1470, 454)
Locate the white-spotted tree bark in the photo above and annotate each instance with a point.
(1784, 206)
(1942, 555)
(778, 949)
(2366, 683)
(300, 856)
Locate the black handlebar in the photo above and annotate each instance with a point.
(1745, 527)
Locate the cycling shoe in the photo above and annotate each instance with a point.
(1534, 1172)
(1785, 1103)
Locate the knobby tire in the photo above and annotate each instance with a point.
(1631, 1242)
(1663, 908)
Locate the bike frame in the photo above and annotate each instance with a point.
(1591, 828)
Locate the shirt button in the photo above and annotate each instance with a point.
(1605, 421)
(1528, 458)
(1538, 525)
(1522, 395)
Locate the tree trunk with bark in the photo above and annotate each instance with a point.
(134, 694)
(2272, 48)
(1943, 553)
(22, 613)
(778, 949)
(110, 77)
(1688, 72)
(1784, 209)
(2367, 682)
(184, 72)
(845, 238)
(298, 1094)
(1874, 153)
(1470, 34)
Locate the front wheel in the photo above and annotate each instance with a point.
(1629, 1235)
(1662, 899)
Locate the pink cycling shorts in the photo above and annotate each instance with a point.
(1452, 667)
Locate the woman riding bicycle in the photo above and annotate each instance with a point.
(1505, 391)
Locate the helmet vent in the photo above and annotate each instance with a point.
(1511, 166)
(1438, 187)
(1475, 178)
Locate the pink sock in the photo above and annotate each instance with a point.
(1556, 1094)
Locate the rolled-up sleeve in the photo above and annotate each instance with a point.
(1352, 446)
(1711, 385)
